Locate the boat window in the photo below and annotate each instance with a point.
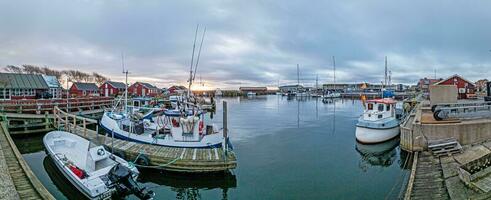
(388, 107)
(380, 107)
(370, 106)
(379, 116)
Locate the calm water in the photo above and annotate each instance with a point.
(286, 149)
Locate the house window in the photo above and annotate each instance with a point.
(4, 93)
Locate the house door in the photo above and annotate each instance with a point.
(143, 92)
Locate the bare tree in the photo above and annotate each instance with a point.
(32, 69)
(13, 69)
(98, 78)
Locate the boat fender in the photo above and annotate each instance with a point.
(120, 154)
(142, 160)
(101, 152)
(201, 126)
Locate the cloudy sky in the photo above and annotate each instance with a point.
(251, 42)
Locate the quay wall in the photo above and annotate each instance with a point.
(415, 135)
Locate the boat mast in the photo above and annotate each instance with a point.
(192, 61)
(298, 78)
(126, 83)
(385, 77)
(334, 71)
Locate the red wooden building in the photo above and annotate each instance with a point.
(465, 88)
(83, 89)
(112, 88)
(141, 89)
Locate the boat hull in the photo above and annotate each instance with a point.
(371, 135)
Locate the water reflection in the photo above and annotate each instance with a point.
(63, 185)
(383, 154)
(188, 186)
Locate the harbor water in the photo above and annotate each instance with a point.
(286, 149)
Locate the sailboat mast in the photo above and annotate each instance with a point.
(298, 78)
(334, 70)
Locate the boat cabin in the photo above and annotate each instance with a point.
(378, 109)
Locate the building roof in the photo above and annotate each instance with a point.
(287, 86)
(148, 85)
(51, 81)
(119, 85)
(86, 86)
(22, 81)
(453, 76)
(382, 101)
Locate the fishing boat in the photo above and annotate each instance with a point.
(175, 128)
(95, 172)
(182, 126)
(378, 122)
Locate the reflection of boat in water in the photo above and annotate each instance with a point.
(187, 186)
(381, 154)
(63, 185)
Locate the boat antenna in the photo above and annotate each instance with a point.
(192, 61)
(126, 83)
(385, 77)
(199, 54)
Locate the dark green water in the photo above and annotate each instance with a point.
(286, 149)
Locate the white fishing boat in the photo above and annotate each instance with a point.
(182, 126)
(378, 122)
(95, 172)
(175, 128)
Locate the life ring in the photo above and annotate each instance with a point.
(120, 154)
(142, 160)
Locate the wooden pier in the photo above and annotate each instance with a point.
(17, 181)
(193, 160)
(36, 116)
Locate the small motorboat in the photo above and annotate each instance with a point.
(378, 122)
(250, 94)
(95, 172)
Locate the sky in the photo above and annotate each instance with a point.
(251, 43)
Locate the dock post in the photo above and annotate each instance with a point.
(225, 128)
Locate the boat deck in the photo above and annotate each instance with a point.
(17, 181)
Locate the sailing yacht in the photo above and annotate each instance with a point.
(334, 93)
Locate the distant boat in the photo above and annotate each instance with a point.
(378, 122)
(95, 172)
(331, 95)
(251, 94)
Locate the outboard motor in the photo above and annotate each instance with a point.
(122, 178)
